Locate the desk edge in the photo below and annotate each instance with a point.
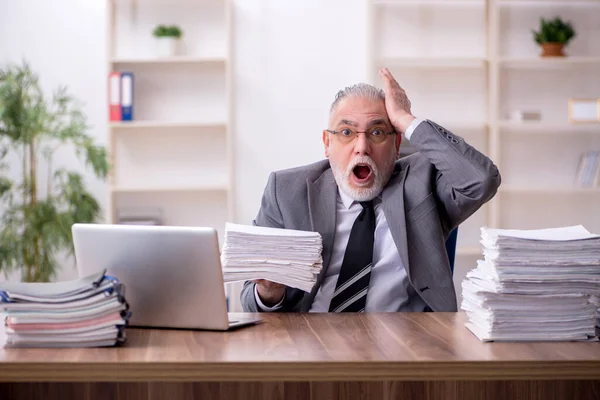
(297, 371)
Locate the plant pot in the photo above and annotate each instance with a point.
(552, 50)
(166, 46)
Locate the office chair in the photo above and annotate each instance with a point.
(451, 247)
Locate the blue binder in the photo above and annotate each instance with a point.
(127, 96)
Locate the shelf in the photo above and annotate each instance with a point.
(548, 190)
(468, 251)
(165, 124)
(548, 3)
(549, 128)
(539, 62)
(170, 60)
(463, 129)
(433, 62)
(168, 2)
(148, 189)
(458, 127)
(447, 3)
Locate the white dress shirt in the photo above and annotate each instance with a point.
(389, 286)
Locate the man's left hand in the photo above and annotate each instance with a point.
(397, 103)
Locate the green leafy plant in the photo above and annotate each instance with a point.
(554, 31)
(36, 215)
(167, 31)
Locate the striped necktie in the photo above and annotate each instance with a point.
(353, 281)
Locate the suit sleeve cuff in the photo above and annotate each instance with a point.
(411, 128)
(261, 304)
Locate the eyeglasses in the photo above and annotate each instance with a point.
(374, 135)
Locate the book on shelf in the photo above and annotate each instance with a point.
(114, 96)
(588, 170)
(120, 96)
(139, 216)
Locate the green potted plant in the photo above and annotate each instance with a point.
(167, 39)
(553, 36)
(39, 200)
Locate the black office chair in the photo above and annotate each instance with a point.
(451, 250)
(451, 247)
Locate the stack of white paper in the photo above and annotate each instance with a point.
(87, 312)
(286, 256)
(534, 285)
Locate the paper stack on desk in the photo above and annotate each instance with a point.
(286, 256)
(87, 312)
(534, 285)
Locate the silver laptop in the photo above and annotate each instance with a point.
(172, 275)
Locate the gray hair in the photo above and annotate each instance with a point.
(357, 90)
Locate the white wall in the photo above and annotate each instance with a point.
(64, 49)
(290, 59)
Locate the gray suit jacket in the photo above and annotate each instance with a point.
(429, 194)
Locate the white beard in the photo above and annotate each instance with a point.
(363, 193)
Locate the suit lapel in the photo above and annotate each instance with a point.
(322, 197)
(393, 209)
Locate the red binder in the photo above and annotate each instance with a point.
(114, 96)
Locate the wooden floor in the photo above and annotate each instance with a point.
(450, 390)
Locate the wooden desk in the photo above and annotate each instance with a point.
(309, 356)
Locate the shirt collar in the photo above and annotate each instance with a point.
(348, 201)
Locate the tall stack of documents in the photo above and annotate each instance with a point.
(534, 285)
(87, 312)
(286, 256)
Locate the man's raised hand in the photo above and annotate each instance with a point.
(397, 103)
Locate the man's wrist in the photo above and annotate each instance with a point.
(262, 305)
(411, 128)
(403, 123)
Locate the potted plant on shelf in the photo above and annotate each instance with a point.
(39, 200)
(553, 36)
(167, 39)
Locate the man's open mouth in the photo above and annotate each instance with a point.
(362, 173)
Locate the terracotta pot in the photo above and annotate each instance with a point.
(552, 50)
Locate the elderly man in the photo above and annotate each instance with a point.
(384, 221)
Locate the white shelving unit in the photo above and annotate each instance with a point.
(433, 62)
(169, 60)
(547, 128)
(548, 3)
(168, 124)
(468, 64)
(533, 62)
(549, 190)
(175, 156)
